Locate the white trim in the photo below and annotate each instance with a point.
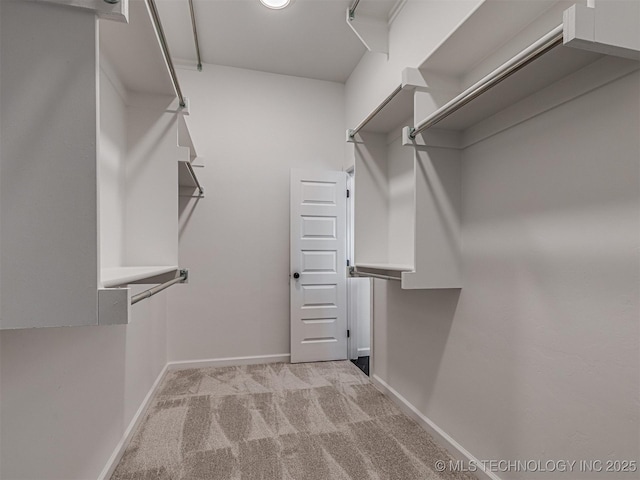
(117, 454)
(363, 352)
(352, 304)
(444, 439)
(372, 318)
(229, 361)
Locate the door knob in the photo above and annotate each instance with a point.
(296, 275)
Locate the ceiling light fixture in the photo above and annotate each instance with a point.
(275, 4)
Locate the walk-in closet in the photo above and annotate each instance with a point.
(319, 239)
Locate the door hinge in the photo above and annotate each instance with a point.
(348, 263)
(348, 193)
(348, 333)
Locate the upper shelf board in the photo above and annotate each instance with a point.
(472, 41)
(134, 50)
(544, 71)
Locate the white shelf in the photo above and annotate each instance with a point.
(112, 277)
(541, 73)
(472, 51)
(386, 267)
(471, 42)
(135, 53)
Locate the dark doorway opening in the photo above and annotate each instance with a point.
(363, 364)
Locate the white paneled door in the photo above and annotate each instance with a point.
(318, 266)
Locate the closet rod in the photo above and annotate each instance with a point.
(352, 9)
(165, 49)
(355, 273)
(521, 60)
(184, 274)
(195, 179)
(195, 34)
(385, 102)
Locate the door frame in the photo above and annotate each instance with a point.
(352, 288)
(352, 312)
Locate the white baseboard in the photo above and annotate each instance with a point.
(364, 352)
(116, 456)
(229, 361)
(453, 447)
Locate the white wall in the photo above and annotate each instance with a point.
(69, 393)
(250, 128)
(537, 356)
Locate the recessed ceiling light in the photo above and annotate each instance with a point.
(275, 4)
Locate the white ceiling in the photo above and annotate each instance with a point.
(309, 38)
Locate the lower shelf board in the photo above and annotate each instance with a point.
(115, 276)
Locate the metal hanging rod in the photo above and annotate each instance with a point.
(165, 49)
(355, 273)
(521, 60)
(195, 179)
(375, 275)
(385, 102)
(352, 9)
(195, 34)
(184, 274)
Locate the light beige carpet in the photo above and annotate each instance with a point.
(314, 421)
